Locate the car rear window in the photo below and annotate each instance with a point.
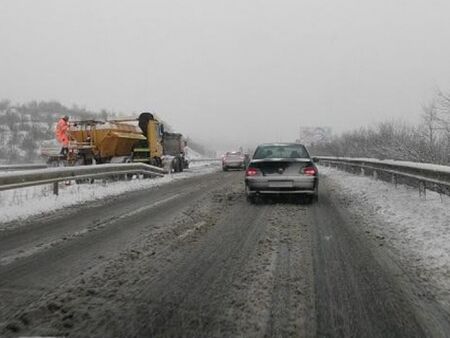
(281, 151)
(234, 155)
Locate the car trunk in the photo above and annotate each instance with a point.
(281, 168)
(234, 159)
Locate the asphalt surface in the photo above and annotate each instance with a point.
(193, 259)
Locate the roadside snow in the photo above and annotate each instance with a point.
(406, 164)
(191, 154)
(418, 228)
(25, 202)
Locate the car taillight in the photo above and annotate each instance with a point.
(252, 172)
(310, 171)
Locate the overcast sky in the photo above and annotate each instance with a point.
(237, 72)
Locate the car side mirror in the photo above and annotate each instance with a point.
(315, 159)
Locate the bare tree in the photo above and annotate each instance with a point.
(4, 105)
(430, 129)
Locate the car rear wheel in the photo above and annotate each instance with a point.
(251, 198)
(316, 193)
(310, 199)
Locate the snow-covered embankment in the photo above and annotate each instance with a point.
(25, 202)
(416, 228)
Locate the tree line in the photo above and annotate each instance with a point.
(427, 142)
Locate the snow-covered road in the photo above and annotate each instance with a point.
(193, 257)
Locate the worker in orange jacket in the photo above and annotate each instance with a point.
(62, 135)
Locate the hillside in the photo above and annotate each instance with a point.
(24, 126)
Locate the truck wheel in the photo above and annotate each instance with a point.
(176, 165)
(181, 166)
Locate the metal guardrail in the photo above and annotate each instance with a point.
(37, 177)
(14, 167)
(421, 175)
(40, 174)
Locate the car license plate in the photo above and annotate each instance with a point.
(281, 184)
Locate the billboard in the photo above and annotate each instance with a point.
(314, 135)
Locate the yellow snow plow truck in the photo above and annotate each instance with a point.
(117, 141)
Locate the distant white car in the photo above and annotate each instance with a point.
(233, 160)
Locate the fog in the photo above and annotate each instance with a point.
(230, 73)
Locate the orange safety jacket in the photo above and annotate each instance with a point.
(61, 132)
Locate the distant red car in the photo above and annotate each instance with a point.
(233, 160)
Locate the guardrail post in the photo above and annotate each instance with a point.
(56, 188)
(440, 191)
(363, 172)
(422, 189)
(394, 180)
(375, 175)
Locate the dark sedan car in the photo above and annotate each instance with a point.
(281, 168)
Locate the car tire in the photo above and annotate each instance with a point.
(311, 199)
(225, 168)
(251, 198)
(306, 199)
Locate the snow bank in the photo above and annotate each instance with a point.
(418, 228)
(191, 154)
(26, 202)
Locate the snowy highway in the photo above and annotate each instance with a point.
(192, 258)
